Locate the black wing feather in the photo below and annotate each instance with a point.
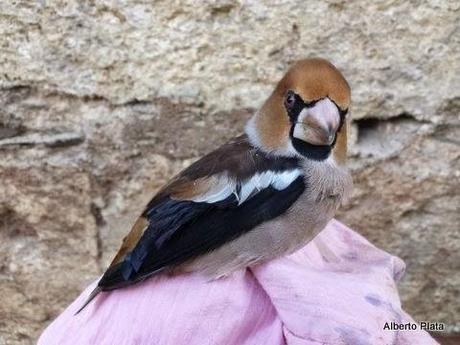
(182, 230)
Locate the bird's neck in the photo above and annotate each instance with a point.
(328, 180)
(269, 133)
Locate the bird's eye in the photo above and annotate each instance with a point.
(289, 100)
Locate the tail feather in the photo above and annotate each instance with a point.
(91, 296)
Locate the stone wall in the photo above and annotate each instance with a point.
(102, 101)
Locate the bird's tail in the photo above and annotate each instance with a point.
(91, 296)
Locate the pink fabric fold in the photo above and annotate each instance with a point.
(339, 289)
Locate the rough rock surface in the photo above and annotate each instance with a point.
(102, 101)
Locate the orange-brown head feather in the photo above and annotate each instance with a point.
(312, 79)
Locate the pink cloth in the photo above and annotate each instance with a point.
(305, 298)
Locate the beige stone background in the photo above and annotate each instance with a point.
(102, 101)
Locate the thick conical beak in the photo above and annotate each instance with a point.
(318, 125)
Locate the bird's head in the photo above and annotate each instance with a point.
(306, 113)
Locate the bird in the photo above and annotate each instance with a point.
(262, 195)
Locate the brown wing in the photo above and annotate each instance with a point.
(202, 208)
(237, 160)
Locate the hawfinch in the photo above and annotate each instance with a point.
(264, 194)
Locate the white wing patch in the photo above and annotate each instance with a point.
(284, 179)
(224, 186)
(278, 180)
